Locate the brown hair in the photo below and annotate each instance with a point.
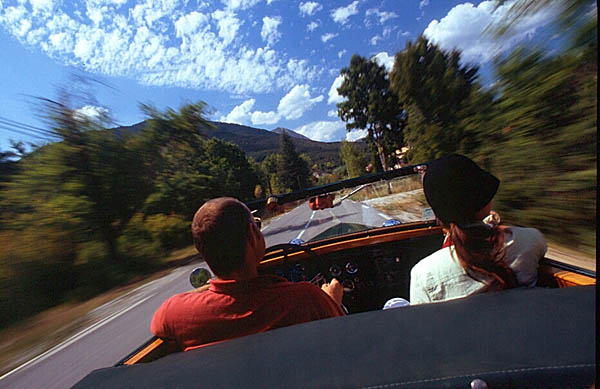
(481, 251)
(220, 230)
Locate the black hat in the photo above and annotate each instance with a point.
(456, 188)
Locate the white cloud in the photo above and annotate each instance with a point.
(375, 39)
(342, 14)
(423, 4)
(463, 28)
(296, 102)
(383, 16)
(405, 33)
(239, 4)
(327, 37)
(311, 26)
(259, 117)
(158, 43)
(90, 112)
(291, 106)
(240, 114)
(383, 59)
(269, 31)
(355, 135)
(309, 8)
(323, 131)
(332, 113)
(44, 6)
(228, 24)
(341, 53)
(334, 97)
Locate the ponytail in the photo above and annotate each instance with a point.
(480, 249)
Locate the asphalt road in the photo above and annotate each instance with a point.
(122, 325)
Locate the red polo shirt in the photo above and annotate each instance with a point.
(229, 309)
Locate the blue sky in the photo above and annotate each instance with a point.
(263, 63)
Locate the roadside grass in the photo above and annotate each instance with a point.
(33, 336)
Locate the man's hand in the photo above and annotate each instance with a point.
(334, 289)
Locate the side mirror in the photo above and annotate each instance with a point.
(199, 277)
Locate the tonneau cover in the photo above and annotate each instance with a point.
(519, 338)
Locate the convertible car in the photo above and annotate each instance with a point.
(368, 233)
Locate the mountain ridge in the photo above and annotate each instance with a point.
(258, 143)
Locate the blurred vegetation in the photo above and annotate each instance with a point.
(95, 208)
(535, 128)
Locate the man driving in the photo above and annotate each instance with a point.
(238, 302)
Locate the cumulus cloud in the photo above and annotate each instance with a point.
(341, 53)
(240, 114)
(332, 113)
(375, 39)
(259, 117)
(311, 26)
(228, 24)
(309, 8)
(291, 106)
(90, 112)
(342, 14)
(383, 59)
(269, 31)
(334, 97)
(323, 131)
(355, 135)
(159, 43)
(327, 37)
(383, 16)
(463, 28)
(423, 4)
(296, 102)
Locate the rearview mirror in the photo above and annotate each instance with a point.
(199, 277)
(322, 201)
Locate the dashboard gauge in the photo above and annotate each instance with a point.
(335, 270)
(348, 285)
(351, 268)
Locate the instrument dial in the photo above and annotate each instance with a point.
(351, 268)
(335, 270)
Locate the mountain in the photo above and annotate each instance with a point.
(258, 143)
(280, 130)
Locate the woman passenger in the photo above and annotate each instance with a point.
(479, 254)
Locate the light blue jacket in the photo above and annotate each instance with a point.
(440, 276)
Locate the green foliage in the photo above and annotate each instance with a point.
(354, 160)
(434, 88)
(293, 171)
(372, 105)
(548, 140)
(85, 213)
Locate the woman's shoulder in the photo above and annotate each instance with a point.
(526, 235)
(439, 261)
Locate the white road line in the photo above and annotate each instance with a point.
(383, 215)
(365, 206)
(307, 224)
(75, 338)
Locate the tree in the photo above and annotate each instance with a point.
(434, 87)
(293, 171)
(270, 166)
(372, 105)
(354, 160)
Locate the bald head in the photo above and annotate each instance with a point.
(220, 229)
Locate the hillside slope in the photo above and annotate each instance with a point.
(257, 143)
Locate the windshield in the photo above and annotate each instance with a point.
(377, 204)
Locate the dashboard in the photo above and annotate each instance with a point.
(370, 274)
